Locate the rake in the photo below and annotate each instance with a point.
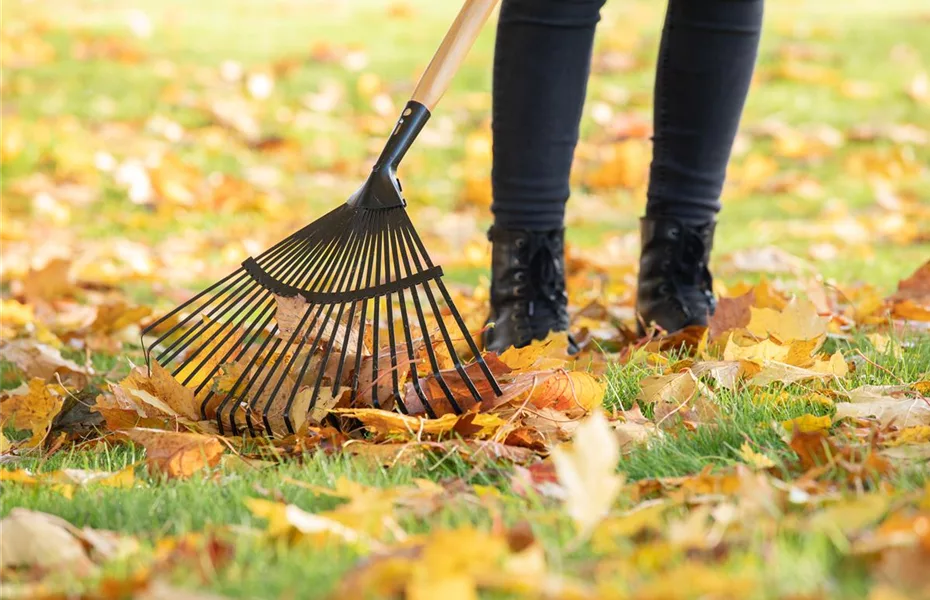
(348, 310)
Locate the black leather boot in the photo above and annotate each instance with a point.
(675, 285)
(528, 298)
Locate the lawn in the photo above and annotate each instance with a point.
(147, 149)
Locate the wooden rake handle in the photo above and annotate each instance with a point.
(455, 46)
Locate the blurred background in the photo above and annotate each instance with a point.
(152, 145)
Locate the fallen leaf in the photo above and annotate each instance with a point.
(31, 406)
(888, 404)
(569, 390)
(798, 321)
(159, 390)
(385, 422)
(587, 470)
(293, 525)
(42, 361)
(807, 424)
(177, 455)
(675, 388)
(755, 459)
(35, 539)
(731, 313)
(538, 355)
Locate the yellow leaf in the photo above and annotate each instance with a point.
(676, 388)
(539, 355)
(587, 468)
(384, 422)
(177, 455)
(754, 459)
(850, 516)
(290, 523)
(31, 406)
(919, 434)
(835, 365)
(807, 424)
(161, 390)
(798, 321)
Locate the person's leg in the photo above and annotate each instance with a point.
(706, 61)
(541, 63)
(542, 60)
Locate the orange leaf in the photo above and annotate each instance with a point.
(177, 455)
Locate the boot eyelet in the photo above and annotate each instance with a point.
(519, 242)
(673, 233)
(518, 276)
(664, 290)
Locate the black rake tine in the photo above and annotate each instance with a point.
(187, 303)
(455, 313)
(456, 360)
(232, 299)
(376, 329)
(361, 330)
(346, 276)
(293, 273)
(429, 347)
(361, 337)
(243, 276)
(348, 248)
(390, 317)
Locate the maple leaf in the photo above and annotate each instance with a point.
(731, 313)
(539, 355)
(177, 455)
(570, 390)
(587, 470)
(31, 406)
(159, 390)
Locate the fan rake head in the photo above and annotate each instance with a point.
(348, 306)
(349, 310)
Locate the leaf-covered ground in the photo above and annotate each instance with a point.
(783, 453)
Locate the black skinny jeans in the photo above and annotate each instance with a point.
(541, 66)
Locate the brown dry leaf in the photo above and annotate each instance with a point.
(49, 282)
(568, 391)
(289, 311)
(177, 455)
(39, 360)
(587, 469)
(31, 406)
(161, 390)
(915, 288)
(387, 422)
(897, 404)
(634, 429)
(731, 313)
